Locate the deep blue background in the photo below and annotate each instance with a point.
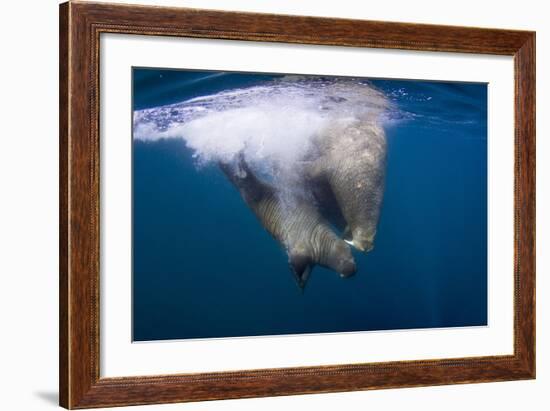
(203, 266)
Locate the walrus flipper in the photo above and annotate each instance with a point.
(301, 266)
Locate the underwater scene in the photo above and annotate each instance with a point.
(275, 204)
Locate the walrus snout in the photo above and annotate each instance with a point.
(341, 260)
(364, 246)
(347, 268)
(362, 240)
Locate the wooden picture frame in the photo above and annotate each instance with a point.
(80, 27)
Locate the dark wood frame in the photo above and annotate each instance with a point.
(81, 24)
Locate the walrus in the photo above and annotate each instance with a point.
(350, 171)
(305, 235)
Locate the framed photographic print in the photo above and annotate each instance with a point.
(257, 205)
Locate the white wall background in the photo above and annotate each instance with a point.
(28, 205)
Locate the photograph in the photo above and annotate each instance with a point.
(269, 204)
(273, 205)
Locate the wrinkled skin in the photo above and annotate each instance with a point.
(305, 235)
(350, 170)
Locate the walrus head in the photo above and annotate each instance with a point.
(362, 240)
(340, 259)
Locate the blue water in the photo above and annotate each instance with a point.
(204, 267)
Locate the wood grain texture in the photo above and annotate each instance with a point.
(63, 205)
(525, 203)
(80, 27)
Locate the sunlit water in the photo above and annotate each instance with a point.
(203, 266)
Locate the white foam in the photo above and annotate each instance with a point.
(273, 124)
